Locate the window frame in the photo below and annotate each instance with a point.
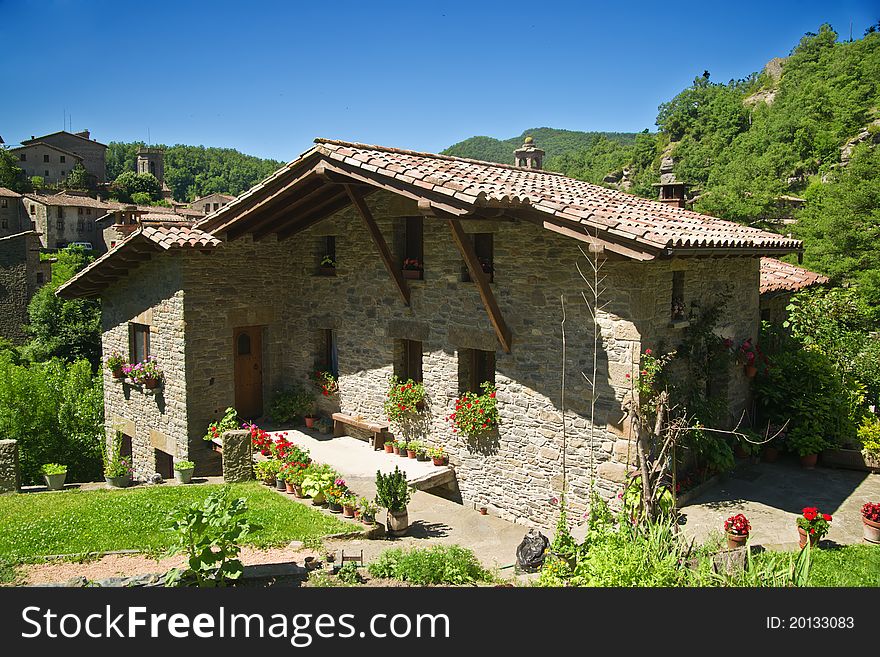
(410, 361)
(479, 365)
(138, 336)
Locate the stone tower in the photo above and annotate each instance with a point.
(151, 160)
(528, 155)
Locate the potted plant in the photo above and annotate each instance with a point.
(422, 453)
(813, 524)
(325, 381)
(438, 455)
(267, 471)
(229, 422)
(367, 511)
(803, 440)
(117, 468)
(750, 356)
(393, 494)
(335, 494)
(412, 269)
(115, 362)
(401, 449)
(389, 446)
(294, 477)
(328, 266)
(317, 480)
(280, 484)
(871, 522)
(412, 447)
(183, 471)
(146, 373)
(349, 504)
(737, 528)
(54, 474)
(475, 414)
(395, 446)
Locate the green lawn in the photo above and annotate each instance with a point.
(76, 522)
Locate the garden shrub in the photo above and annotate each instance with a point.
(439, 564)
(869, 436)
(287, 405)
(55, 411)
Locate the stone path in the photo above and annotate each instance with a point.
(771, 495)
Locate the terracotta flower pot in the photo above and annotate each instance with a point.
(389, 448)
(735, 541)
(871, 529)
(298, 491)
(348, 512)
(395, 449)
(151, 383)
(483, 511)
(809, 461)
(411, 453)
(310, 422)
(751, 371)
(118, 374)
(770, 454)
(802, 538)
(439, 460)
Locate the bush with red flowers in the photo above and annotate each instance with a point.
(261, 441)
(475, 414)
(815, 523)
(871, 511)
(325, 381)
(403, 398)
(750, 354)
(737, 525)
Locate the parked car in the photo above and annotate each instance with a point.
(85, 245)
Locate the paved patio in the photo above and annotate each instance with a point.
(771, 495)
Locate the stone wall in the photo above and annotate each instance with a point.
(10, 473)
(19, 265)
(156, 419)
(12, 216)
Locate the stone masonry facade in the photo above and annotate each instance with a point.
(515, 471)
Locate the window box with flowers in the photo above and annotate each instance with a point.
(412, 269)
(813, 524)
(115, 363)
(475, 414)
(871, 522)
(325, 382)
(145, 373)
(328, 266)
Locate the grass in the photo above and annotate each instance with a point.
(850, 565)
(77, 522)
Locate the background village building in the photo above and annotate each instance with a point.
(62, 219)
(779, 281)
(22, 275)
(12, 218)
(211, 202)
(52, 156)
(233, 310)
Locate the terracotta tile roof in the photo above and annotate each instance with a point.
(179, 237)
(64, 132)
(475, 183)
(30, 144)
(72, 200)
(9, 192)
(778, 276)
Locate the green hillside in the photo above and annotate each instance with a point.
(194, 171)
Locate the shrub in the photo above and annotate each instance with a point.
(184, 465)
(439, 564)
(349, 574)
(289, 404)
(869, 437)
(53, 469)
(392, 491)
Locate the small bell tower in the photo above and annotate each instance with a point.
(528, 155)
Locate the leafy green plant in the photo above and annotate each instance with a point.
(209, 534)
(349, 573)
(869, 436)
(116, 465)
(267, 470)
(439, 564)
(392, 491)
(184, 465)
(292, 403)
(229, 422)
(115, 361)
(318, 479)
(367, 507)
(475, 414)
(632, 500)
(53, 469)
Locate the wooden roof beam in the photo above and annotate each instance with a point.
(338, 203)
(292, 222)
(384, 252)
(257, 223)
(466, 248)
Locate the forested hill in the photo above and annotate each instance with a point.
(194, 171)
(807, 126)
(554, 142)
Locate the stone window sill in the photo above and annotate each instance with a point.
(679, 323)
(140, 386)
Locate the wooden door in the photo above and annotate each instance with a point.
(247, 345)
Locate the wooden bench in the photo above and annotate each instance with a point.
(379, 430)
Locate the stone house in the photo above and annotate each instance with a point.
(779, 281)
(21, 275)
(233, 310)
(211, 202)
(68, 145)
(12, 217)
(65, 218)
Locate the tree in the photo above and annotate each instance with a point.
(78, 178)
(69, 329)
(11, 175)
(129, 183)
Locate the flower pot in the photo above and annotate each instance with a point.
(280, 484)
(395, 449)
(871, 529)
(334, 507)
(398, 522)
(401, 453)
(310, 422)
(288, 488)
(483, 511)
(411, 453)
(770, 454)
(439, 460)
(319, 499)
(119, 482)
(735, 541)
(389, 448)
(327, 271)
(412, 274)
(298, 491)
(348, 512)
(151, 383)
(367, 519)
(809, 461)
(118, 374)
(184, 476)
(55, 481)
(802, 538)
(751, 371)
(421, 456)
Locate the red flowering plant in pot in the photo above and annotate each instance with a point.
(871, 522)
(737, 528)
(475, 414)
(403, 402)
(813, 524)
(262, 442)
(325, 381)
(751, 357)
(412, 268)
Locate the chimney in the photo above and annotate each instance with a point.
(84, 134)
(528, 155)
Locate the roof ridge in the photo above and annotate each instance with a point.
(439, 156)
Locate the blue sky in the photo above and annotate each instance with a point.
(268, 77)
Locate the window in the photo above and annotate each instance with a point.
(329, 356)
(678, 308)
(408, 363)
(63, 160)
(216, 206)
(59, 212)
(414, 242)
(80, 226)
(484, 247)
(88, 211)
(47, 173)
(79, 210)
(327, 255)
(243, 348)
(59, 225)
(139, 342)
(62, 172)
(475, 366)
(4, 203)
(22, 157)
(40, 278)
(33, 209)
(4, 223)
(45, 158)
(207, 207)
